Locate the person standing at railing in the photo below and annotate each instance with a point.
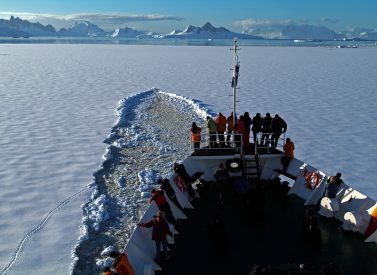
(184, 180)
(196, 136)
(266, 130)
(212, 128)
(169, 191)
(336, 179)
(288, 147)
(221, 128)
(158, 197)
(278, 126)
(229, 121)
(107, 271)
(160, 229)
(240, 131)
(180, 182)
(248, 121)
(331, 189)
(257, 126)
(121, 264)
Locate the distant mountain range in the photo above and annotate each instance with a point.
(208, 32)
(310, 32)
(16, 27)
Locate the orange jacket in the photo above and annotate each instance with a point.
(196, 137)
(108, 273)
(289, 147)
(122, 265)
(230, 123)
(221, 123)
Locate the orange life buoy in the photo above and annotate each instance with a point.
(312, 179)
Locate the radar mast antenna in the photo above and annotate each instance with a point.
(236, 70)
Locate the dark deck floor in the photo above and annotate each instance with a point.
(267, 231)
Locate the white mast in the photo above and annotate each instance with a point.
(236, 71)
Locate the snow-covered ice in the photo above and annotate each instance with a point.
(163, 120)
(57, 106)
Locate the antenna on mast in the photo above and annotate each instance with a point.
(236, 70)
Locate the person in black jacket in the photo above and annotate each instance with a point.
(180, 169)
(266, 130)
(278, 126)
(257, 126)
(169, 191)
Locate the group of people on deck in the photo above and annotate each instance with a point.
(220, 130)
(163, 222)
(161, 225)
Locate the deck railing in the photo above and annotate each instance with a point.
(266, 142)
(218, 142)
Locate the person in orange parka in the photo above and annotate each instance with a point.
(240, 131)
(159, 197)
(288, 147)
(221, 128)
(107, 271)
(121, 264)
(195, 136)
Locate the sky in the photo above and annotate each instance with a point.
(166, 15)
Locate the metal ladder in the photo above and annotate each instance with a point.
(251, 167)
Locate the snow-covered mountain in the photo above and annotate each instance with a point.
(8, 32)
(82, 29)
(149, 34)
(368, 35)
(309, 32)
(131, 33)
(125, 33)
(16, 27)
(174, 32)
(208, 31)
(362, 33)
(288, 30)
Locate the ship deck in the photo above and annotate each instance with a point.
(264, 230)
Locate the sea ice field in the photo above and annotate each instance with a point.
(58, 104)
